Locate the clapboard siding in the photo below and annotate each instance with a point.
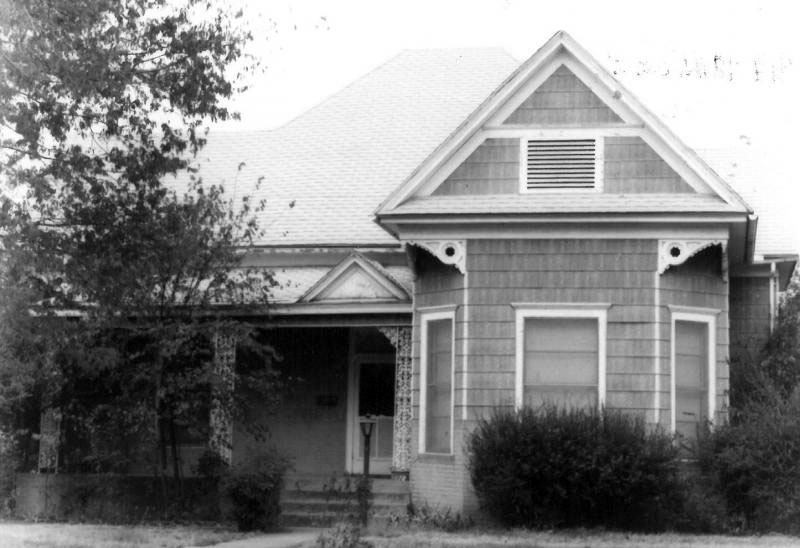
(632, 166)
(749, 316)
(493, 168)
(619, 272)
(697, 283)
(563, 99)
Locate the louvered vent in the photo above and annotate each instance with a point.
(561, 163)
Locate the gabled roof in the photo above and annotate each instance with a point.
(623, 101)
(324, 173)
(356, 278)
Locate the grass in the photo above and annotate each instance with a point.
(576, 539)
(66, 535)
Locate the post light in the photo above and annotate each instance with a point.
(366, 430)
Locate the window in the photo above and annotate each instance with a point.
(436, 382)
(693, 371)
(561, 355)
(561, 163)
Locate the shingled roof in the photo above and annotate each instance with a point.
(324, 173)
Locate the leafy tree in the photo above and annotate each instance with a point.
(113, 280)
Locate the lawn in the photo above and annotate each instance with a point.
(580, 539)
(65, 535)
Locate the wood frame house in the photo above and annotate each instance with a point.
(456, 232)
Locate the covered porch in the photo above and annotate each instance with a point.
(338, 374)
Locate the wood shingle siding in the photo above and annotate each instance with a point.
(620, 272)
(563, 99)
(631, 166)
(493, 168)
(749, 316)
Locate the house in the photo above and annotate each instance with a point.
(456, 232)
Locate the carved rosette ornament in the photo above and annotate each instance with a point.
(400, 337)
(449, 252)
(221, 419)
(677, 252)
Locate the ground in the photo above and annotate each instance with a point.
(578, 539)
(66, 535)
(60, 535)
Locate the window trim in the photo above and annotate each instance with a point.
(707, 316)
(427, 316)
(597, 311)
(599, 163)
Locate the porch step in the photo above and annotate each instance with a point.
(321, 501)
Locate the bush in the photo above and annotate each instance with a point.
(551, 467)
(255, 496)
(754, 463)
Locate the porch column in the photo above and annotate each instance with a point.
(49, 438)
(400, 337)
(220, 417)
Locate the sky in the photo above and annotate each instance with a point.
(719, 74)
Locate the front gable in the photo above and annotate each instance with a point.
(561, 123)
(355, 279)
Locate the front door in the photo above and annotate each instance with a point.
(374, 406)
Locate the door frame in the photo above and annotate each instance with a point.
(354, 363)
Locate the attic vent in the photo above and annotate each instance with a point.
(561, 163)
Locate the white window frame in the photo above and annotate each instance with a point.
(707, 316)
(597, 311)
(599, 161)
(427, 316)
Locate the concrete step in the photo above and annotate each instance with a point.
(319, 501)
(344, 483)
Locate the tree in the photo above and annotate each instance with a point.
(113, 281)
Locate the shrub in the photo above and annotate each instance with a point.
(343, 535)
(427, 517)
(754, 463)
(550, 467)
(255, 495)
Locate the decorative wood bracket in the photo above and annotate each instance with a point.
(677, 252)
(449, 252)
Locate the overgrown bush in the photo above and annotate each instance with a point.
(550, 467)
(754, 463)
(255, 495)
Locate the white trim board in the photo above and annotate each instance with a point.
(523, 311)
(698, 315)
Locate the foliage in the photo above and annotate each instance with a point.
(255, 493)
(101, 102)
(426, 517)
(752, 461)
(551, 467)
(343, 535)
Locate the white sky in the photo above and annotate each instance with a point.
(662, 51)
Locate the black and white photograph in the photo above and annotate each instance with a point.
(351, 274)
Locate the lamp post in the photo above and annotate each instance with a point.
(366, 430)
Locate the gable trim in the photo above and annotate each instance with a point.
(334, 276)
(469, 135)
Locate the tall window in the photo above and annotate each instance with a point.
(560, 356)
(437, 383)
(693, 372)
